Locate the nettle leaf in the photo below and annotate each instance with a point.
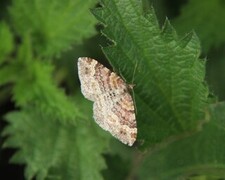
(54, 150)
(203, 18)
(166, 71)
(6, 45)
(34, 85)
(54, 25)
(201, 155)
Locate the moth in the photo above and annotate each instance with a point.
(113, 108)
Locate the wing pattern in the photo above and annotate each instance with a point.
(113, 105)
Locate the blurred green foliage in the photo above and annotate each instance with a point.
(48, 123)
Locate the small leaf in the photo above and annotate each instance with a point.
(33, 85)
(53, 25)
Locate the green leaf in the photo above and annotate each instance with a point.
(54, 25)
(205, 19)
(54, 150)
(202, 154)
(34, 85)
(6, 45)
(169, 89)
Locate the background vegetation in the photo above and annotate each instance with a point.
(47, 129)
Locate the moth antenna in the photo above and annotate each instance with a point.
(132, 85)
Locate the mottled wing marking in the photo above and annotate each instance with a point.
(113, 104)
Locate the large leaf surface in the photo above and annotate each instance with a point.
(167, 73)
(199, 156)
